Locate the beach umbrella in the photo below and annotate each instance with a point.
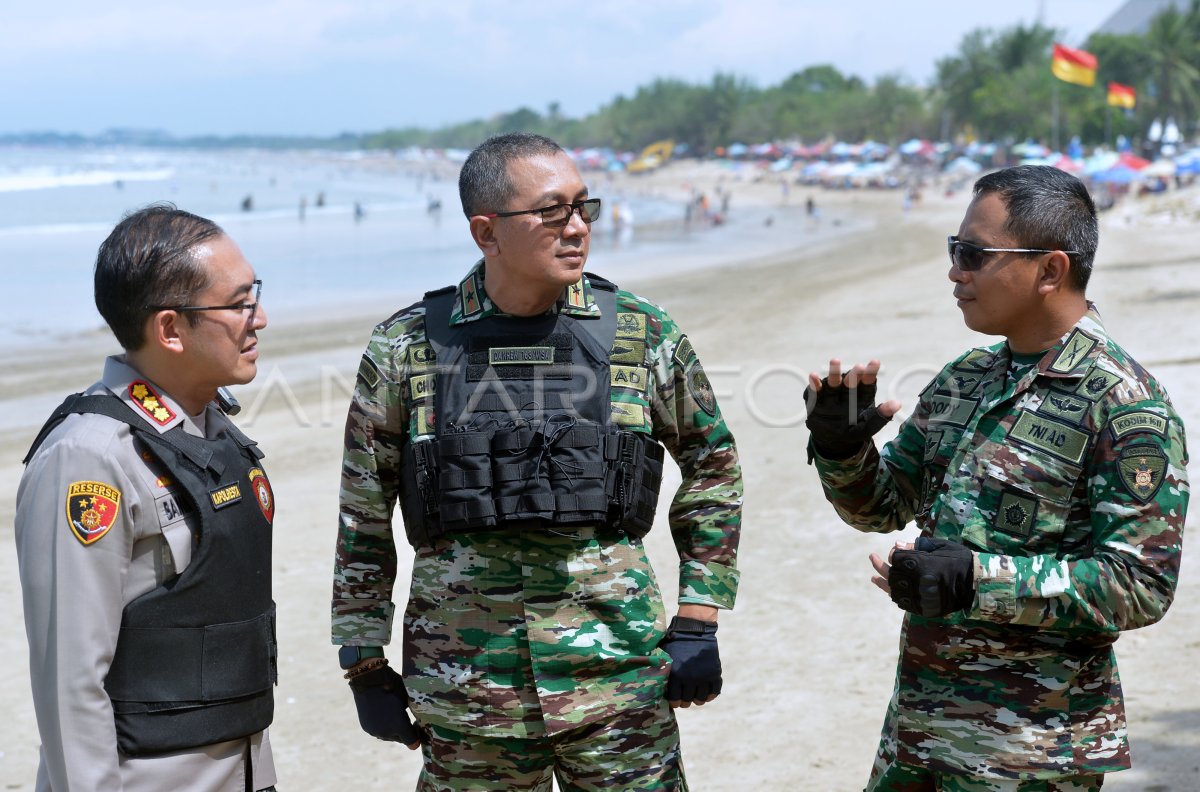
(1030, 149)
(1132, 161)
(1118, 174)
(737, 149)
(1068, 164)
(782, 164)
(1100, 162)
(1162, 167)
(963, 165)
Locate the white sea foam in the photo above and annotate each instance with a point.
(49, 178)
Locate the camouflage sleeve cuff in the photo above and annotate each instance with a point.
(708, 584)
(995, 588)
(362, 622)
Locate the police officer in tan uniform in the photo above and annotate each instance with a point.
(143, 533)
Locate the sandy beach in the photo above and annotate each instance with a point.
(809, 652)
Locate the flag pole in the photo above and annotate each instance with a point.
(1054, 122)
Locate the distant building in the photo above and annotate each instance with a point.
(1134, 17)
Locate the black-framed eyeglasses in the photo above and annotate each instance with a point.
(969, 257)
(559, 215)
(250, 306)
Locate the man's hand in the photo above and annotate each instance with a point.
(933, 578)
(842, 416)
(382, 705)
(695, 662)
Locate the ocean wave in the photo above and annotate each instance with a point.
(49, 178)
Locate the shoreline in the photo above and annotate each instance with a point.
(810, 649)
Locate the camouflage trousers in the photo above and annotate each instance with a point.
(890, 776)
(636, 751)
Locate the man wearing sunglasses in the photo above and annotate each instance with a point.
(1046, 474)
(519, 420)
(143, 532)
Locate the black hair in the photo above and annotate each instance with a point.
(483, 184)
(147, 261)
(1048, 208)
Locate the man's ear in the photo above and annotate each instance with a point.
(484, 234)
(1054, 274)
(162, 330)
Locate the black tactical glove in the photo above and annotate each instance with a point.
(936, 578)
(695, 661)
(382, 704)
(841, 419)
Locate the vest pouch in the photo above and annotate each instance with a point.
(577, 474)
(520, 469)
(465, 481)
(635, 464)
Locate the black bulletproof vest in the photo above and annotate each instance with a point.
(196, 657)
(523, 429)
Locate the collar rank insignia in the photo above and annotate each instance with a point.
(150, 403)
(262, 493)
(92, 509)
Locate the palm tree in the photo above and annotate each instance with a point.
(1173, 51)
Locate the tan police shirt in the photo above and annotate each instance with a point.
(98, 524)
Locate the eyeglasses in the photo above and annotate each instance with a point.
(251, 306)
(969, 257)
(559, 215)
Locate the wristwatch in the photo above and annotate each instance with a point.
(350, 656)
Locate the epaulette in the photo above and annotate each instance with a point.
(597, 282)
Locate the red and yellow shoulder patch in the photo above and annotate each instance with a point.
(151, 403)
(92, 509)
(262, 493)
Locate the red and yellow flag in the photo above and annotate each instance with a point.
(1073, 66)
(1121, 96)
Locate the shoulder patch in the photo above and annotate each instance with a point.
(684, 353)
(262, 493)
(368, 373)
(701, 389)
(92, 508)
(420, 356)
(1143, 467)
(976, 360)
(1138, 421)
(150, 402)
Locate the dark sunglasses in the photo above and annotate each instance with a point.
(559, 215)
(969, 257)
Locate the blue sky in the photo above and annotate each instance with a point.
(327, 66)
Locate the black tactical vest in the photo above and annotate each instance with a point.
(522, 428)
(196, 657)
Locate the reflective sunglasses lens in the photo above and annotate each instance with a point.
(589, 210)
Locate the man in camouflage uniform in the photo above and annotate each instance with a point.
(534, 636)
(1047, 477)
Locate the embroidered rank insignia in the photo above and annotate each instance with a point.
(1142, 469)
(225, 495)
(150, 402)
(262, 493)
(631, 325)
(684, 353)
(624, 414)
(1097, 383)
(575, 295)
(92, 509)
(1074, 352)
(470, 297)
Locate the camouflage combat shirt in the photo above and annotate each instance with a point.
(1068, 481)
(526, 633)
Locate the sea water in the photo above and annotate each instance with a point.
(323, 230)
